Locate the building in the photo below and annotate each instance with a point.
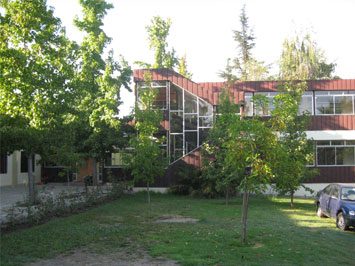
(14, 169)
(189, 108)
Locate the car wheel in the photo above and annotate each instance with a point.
(341, 224)
(319, 212)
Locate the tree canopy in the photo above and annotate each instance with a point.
(164, 57)
(301, 58)
(244, 66)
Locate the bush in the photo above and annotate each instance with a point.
(191, 182)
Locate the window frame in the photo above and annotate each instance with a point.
(4, 159)
(333, 95)
(335, 146)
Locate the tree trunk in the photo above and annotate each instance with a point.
(94, 174)
(31, 181)
(68, 177)
(245, 215)
(292, 194)
(227, 195)
(148, 193)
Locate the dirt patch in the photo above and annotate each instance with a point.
(258, 245)
(117, 258)
(175, 219)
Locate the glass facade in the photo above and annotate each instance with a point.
(318, 103)
(189, 118)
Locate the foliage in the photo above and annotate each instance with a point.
(182, 68)
(302, 59)
(252, 144)
(36, 62)
(244, 66)
(158, 32)
(215, 169)
(147, 159)
(191, 182)
(295, 151)
(98, 80)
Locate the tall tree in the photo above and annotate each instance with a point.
(36, 62)
(250, 153)
(182, 68)
(164, 57)
(244, 66)
(295, 151)
(147, 160)
(99, 81)
(301, 58)
(158, 32)
(214, 151)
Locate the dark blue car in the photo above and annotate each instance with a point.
(337, 201)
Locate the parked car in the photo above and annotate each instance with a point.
(337, 201)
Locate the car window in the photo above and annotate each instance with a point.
(335, 192)
(348, 193)
(328, 189)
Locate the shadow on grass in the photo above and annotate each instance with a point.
(278, 235)
(316, 240)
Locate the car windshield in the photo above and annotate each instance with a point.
(348, 193)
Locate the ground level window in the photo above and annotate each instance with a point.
(24, 163)
(3, 164)
(335, 152)
(115, 159)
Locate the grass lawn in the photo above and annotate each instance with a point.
(278, 235)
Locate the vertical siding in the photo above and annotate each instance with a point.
(345, 174)
(332, 122)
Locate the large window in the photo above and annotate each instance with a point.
(335, 152)
(334, 102)
(189, 117)
(3, 164)
(306, 105)
(325, 103)
(265, 108)
(162, 96)
(115, 159)
(249, 106)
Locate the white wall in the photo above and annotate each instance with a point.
(6, 179)
(302, 192)
(14, 175)
(331, 134)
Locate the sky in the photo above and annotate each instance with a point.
(203, 30)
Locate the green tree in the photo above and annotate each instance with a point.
(158, 32)
(99, 81)
(301, 58)
(295, 151)
(250, 153)
(244, 66)
(214, 151)
(147, 160)
(164, 57)
(182, 69)
(36, 62)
